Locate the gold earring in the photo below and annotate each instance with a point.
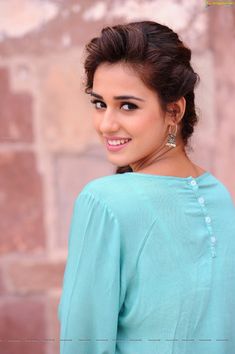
(171, 139)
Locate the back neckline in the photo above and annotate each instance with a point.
(198, 178)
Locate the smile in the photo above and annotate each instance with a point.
(116, 145)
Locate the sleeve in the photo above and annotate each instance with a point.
(89, 304)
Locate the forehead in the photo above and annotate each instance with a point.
(118, 78)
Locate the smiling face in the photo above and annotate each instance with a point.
(139, 118)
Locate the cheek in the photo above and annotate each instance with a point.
(96, 122)
(148, 125)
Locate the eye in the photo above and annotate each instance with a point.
(98, 104)
(127, 106)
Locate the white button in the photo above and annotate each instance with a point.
(201, 200)
(213, 239)
(208, 219)
(193, 182)
(213, 253)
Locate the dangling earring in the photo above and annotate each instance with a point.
(171, 139)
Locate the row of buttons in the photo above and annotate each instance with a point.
(201, 201)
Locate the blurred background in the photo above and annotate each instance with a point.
(49, 149)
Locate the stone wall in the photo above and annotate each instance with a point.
(48, 147)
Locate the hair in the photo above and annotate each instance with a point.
(160, 58)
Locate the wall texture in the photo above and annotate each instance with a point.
(49, 150)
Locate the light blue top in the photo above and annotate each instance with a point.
(150, 267)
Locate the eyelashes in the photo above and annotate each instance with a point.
(94, 102)
(131, 106)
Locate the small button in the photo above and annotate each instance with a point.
(208, 219)
(201, 200)
(213, 253)
(213, 239)
(193, 182)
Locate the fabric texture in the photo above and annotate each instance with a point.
(150, 267)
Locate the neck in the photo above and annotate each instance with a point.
(173, 161)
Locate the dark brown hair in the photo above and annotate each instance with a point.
(160, 58)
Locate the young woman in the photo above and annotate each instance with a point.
(151, 266)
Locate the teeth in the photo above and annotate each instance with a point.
(117, 142)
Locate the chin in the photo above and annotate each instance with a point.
(119, 162)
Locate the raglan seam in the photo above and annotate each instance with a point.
(146, 237)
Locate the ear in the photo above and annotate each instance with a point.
(175, 111)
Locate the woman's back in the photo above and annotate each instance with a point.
(155, 269)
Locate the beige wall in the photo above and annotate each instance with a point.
(49, 150)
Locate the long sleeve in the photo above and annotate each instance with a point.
(89, 304)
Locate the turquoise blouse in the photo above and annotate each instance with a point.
(150, 267)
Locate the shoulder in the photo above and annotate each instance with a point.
(117, 192)
(222, 193)
(108, 188)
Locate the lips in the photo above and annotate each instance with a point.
(118, 146)
(116, 138)
(124, 140)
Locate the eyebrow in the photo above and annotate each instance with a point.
(123, 97)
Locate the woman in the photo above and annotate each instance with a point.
(150, 267)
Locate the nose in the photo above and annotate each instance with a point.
(108, 122)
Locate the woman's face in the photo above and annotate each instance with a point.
(124, 108)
